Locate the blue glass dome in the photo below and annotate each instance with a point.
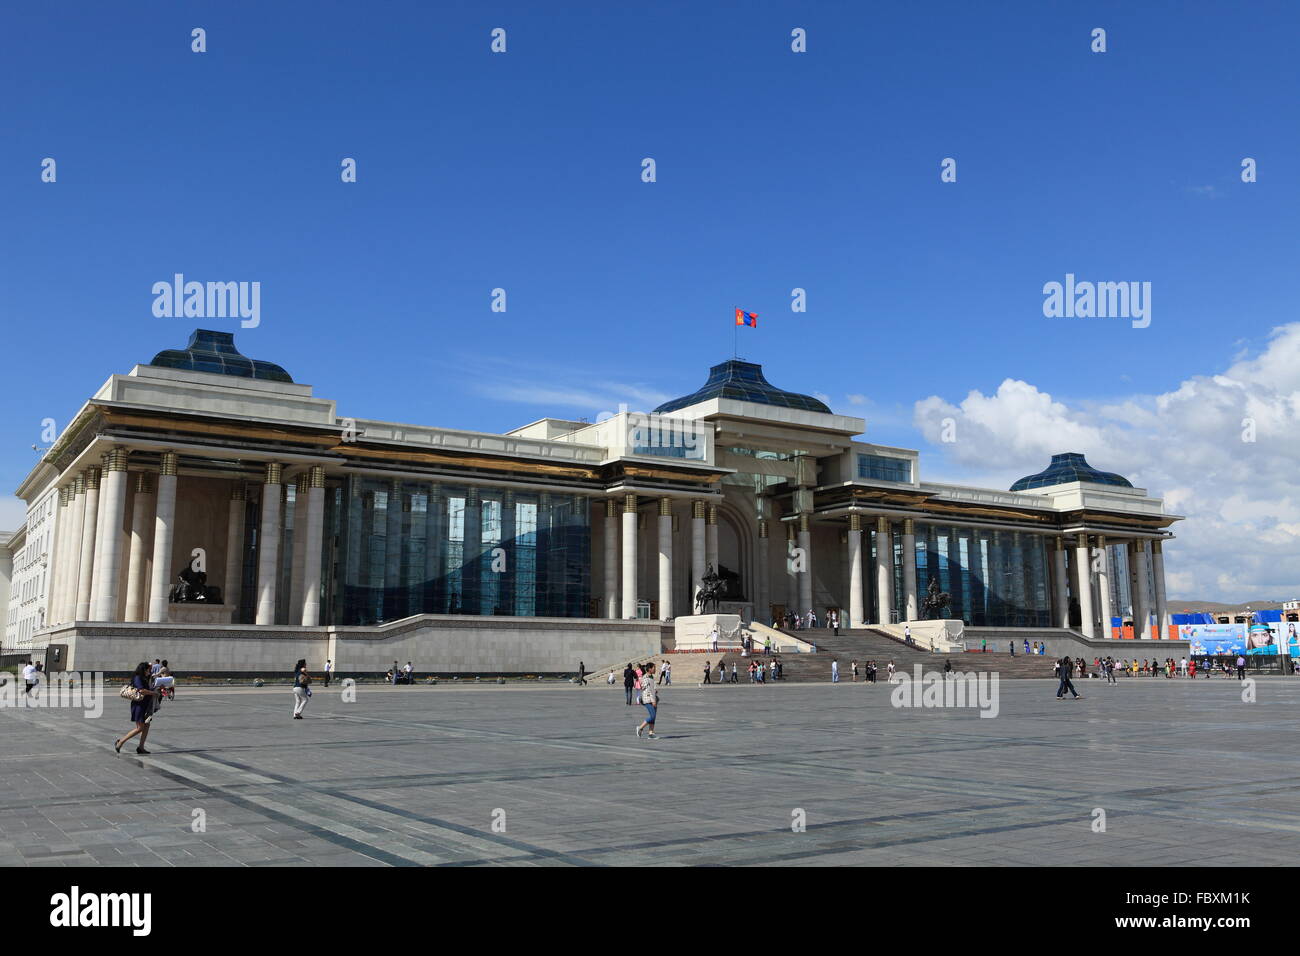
(215, 352)
(1070, 466)
(744, 382)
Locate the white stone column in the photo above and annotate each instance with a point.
(1059, 580)
(697, 550)
(805, 576)
(433, 525)
(1103, 586)
(791, 576)
(108, 549)
(142, 518)
(86, 565)
(1141, 598)
(164, 530)
(1083, 585)
(268, 544)
(612, 593)
(99, 538)
(629, 557)
(77, 504)
(762, 592)
(232, 591)
(299, 548)
(911, 601)
(61, 563)
(856, 609)
(665, 558)
(313, 537)
(884, 571)
(711, 539)
(1158, 572)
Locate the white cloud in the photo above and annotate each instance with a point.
(857, 399)
(1241, 539)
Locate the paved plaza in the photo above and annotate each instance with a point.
(1186, 773)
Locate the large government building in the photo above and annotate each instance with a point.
(207, 495)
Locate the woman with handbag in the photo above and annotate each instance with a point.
(301, 687)
(141, 695)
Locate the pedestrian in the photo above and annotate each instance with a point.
(31, 676)
(408, 674)
(947, 667)
(767, 646)
(666, 675)
(889, 673)
(722, 671)
(582, 674)
(157, 666)
(629, 678)
(329, 670)
(1063, 670)
(984, 644)
(713, 638)
(734, 678)
(708, 672)
(650, 701)
(1241, 667)
(835, 671)
(1013, 648)
(1026, 647)
(853, 668)
(141, 708)
(907, 634)
(397, 673)
(301, 687)
(835, 622)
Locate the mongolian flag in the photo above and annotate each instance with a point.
(747, 318)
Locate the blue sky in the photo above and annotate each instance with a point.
(775, 170)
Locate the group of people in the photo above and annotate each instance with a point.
(641, 684)
(150, 685)
(401, 675)
(869, 671)
(759, 673)
(1169, 667)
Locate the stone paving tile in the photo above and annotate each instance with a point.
(417, 777)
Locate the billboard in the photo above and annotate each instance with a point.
(1214, 639)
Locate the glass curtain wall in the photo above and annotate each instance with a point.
(993, 578)
(410, 547)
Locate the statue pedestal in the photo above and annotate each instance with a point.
(693, 632)
(200, 613)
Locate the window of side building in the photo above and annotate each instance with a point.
(880, 468)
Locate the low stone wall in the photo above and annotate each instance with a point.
(465, 645)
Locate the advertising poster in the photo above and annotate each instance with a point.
(1214, 639)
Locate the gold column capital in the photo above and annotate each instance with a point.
(909, 526)
(79, 484)
(803, 521)
(882, 525)
(1157, 546)
(167, 463)
(762, 527)
(855, 522)
(611, 508)
(665, 507)
(115, 460)
(274, 473)
(713, 514)
(697, 508)
(316, 477)
(92, 478)
(629, 504)
(143, 483)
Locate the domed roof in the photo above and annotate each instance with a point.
(744, 382)
(215, 352)
(1067, 467)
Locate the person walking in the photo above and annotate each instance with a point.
(853, 669)
(141, 708)
(329, 670)
(708, 672)
(722, 671)
(666, 674)
(835, 671)
(650, 701)
(1241, 667)
(907, 634)
(713, 639)
(301, 687)
(984, 645)
(835, 622)
(734, 678)
(889, 672)
(1013, 648)
(1063, 670)
(31, 676)
(582, 674)
(629, 678)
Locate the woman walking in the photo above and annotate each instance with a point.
(649, 700)
(141, 708)
(301, 687)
